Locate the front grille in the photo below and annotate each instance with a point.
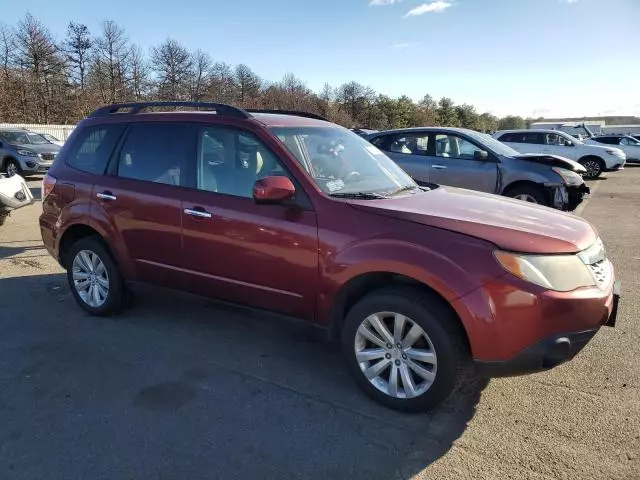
(601, 271)
(48, 156)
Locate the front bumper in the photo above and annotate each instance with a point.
(508, 320)
(544, 355)
(616, 166)
(568, 198)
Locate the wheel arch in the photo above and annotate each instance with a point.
(527, 183)
(74, 233)
(361, 285)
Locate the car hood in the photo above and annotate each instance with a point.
(45, 148)
(553, 161)
(510, 224)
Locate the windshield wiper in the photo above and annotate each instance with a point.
(406, 188)
(358, 195)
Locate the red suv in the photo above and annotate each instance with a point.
(286, 212)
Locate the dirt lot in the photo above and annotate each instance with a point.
(181, 388)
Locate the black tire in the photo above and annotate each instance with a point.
(594, 165)
(438, 322)
(9, 165)
(532, 194)
(117, 297)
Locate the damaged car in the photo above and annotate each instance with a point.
(467, 159)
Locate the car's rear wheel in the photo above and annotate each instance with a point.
(528, 193)
(594, 166)
(12, 167)
(94, 278)
(405, 349)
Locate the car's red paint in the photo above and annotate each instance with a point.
(298, 261)
(273, 190)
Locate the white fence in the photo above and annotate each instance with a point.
(61, 132)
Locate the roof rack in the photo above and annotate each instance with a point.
(137, 107)
(288, 112)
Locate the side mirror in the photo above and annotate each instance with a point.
(480, 155)
(273, 190)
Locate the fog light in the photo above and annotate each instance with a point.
(31, 164)
(20, 196)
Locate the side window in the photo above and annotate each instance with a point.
(230, 161)
(452, 146)
(92, 148)
(157, 152)
(533, 137)
(511, 137)
(409, 144)
(556, 139)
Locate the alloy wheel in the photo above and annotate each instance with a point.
(593, 168)
(395, 355)
(12, 168)
(526, 198)
(90, 278)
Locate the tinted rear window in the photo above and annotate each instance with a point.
(92, 148)
(158, 152)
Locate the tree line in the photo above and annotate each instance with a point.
(48, 80)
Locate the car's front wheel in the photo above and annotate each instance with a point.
(594, 166)
(528, 193)
(405, 349)
(12, 167)
(94, 278)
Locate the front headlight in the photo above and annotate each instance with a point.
(27, 153)
(562, 273)
(568, 177)
(617, 153)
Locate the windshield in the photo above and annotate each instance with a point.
(340, 162)
(493, 144)
(25, 138)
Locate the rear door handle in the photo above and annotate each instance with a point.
(108, 196)
(198, 212)
(439, 167)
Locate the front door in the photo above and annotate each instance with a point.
(265, 256)
(142, 197)
(452, 162)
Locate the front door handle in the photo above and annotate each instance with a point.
(108, 196)
(198, 212)
(438, 167)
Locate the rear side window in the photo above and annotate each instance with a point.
(92, 148)
(158, 152)
(511, 137)
(608, 140)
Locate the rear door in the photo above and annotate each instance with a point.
(452, 162)
(142, 197)
(409, 151)
(265, 256)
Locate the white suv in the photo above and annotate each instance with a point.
(629, 145)
(596, 159)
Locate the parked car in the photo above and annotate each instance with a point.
(23, 152)
(629, 145)
(363, 131)
(296, 215)
(51, 139)
(596, 159)
(14, 194)
(464, 158)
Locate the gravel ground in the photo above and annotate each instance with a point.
(182, 388)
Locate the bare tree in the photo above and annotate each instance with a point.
(171, 63)
(222, 87)
(200, 75)
(139, 83)
(77, 47)
(111, 54)
(41, 66)
(248, 85)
